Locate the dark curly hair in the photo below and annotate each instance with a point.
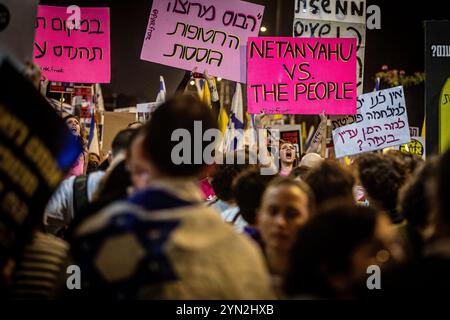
(223, 178)
(330, 181)
(248, 189)
(382, 181)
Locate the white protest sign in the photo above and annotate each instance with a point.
(144, 110)
(382, 122)
(17, 28)
(351, 11)
(414, 131)
(333, 19)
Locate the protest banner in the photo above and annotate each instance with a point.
(301, 75)
(36, 151)
(437, 85)
(382, 121)
(444, 115)
(17, 28)
(208, 34)
(73, 55)
(415, 146)
(113, 123)
(334, 19)
(144, 110)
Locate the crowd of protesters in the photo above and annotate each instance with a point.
(138, 226)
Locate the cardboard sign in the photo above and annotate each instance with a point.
(437, 85)
(415, 146)
(144, 110)
(444, 115)
(414, 131)
(334, 19)
(382, 122)
(351, 11)
(301, 75)
(208, 34)
(36, 151)
(17, 28)
(73, 55)
(289, 133)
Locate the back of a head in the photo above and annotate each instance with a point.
(401, 162)
(122, 141)
(311, 160)
(414, 202)
(223, 178)
(381, 181)
(180, 114)
(324, 248)
(248, 189)
(443, 190)
(329, 182)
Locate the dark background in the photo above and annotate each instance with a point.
(399, 44)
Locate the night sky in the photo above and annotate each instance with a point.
(399, 44)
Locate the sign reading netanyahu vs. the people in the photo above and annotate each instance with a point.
(69, 53)
(207, 34)
(301, 75)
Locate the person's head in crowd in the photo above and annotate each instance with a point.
(285, 207)
(74, 124)
(191, 118)
(93, 162)
(288, 157)
(122, 142)
(382, 181)
(404, 163)
(334, 249)
(299, 173)
(442, 192)
(248, 188)
(311, 160)
(118, 177)
(331, 182)
(135, 125)
(224, 175)
(413, 199)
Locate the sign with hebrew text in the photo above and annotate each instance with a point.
(381, 122)
(301, 75)
(66, 54)
(207, 34)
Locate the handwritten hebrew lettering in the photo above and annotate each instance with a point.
(44, 22)
(190, 53)
(384, 124)
(42, 50)
(212, 36)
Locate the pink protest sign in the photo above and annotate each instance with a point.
(301, 75)
(208, 34)
(78, 55)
